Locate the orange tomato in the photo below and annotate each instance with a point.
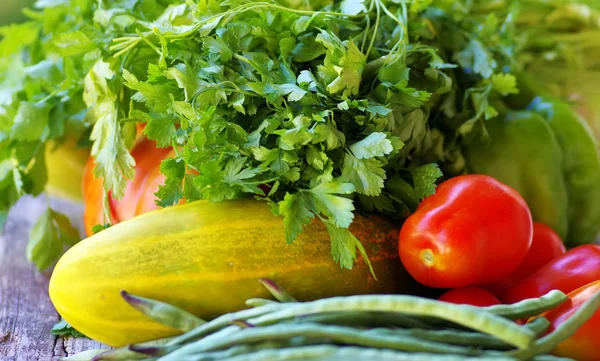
(584, 344)
(139, 192)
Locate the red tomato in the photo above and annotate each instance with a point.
(584, 344)
(139, 191)
(474, 230)
(574, 269)
(475, 296)
(546, 245)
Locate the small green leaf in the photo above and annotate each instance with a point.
(505, 83)
(374, 145)
(44, 245)
(296, 214)
(31, 122)
(367, 175)
(75, 43)
(62, 328)
(68, 234)
(171, 191)
(424, 178)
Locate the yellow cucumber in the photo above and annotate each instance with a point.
(206, 258)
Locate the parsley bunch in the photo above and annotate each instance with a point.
(320, 108)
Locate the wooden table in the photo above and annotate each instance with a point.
(26, 313)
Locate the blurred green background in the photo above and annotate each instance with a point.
(10, 10)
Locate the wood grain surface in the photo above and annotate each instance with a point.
(26, 313)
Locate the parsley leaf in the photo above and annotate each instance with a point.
(62, 328)
(367, 175)
(114, 164)
(47, 238)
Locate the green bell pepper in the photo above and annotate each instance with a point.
(521, 150)
(581, 157)
(581, 167)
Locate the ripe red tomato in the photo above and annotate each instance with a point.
(546, 245)
(583, 345)
(474, 230)
(574, 269)
(475, 296)
(139, 192)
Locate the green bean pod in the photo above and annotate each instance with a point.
(562, 332)
(334, 334)
(365, 319)
(463, 315)
(529, 307)
(224, 321)
(348, 353)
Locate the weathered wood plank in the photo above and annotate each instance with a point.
(26, 313)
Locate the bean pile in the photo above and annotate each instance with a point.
(377, 327)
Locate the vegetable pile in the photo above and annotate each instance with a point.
(429, 146)
(385, 327)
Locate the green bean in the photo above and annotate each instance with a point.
(334, 334)
(463, 315)
(452, 337)
(164, 313)
(539, 325)
(257, 302)
(529, 307)
(562, 332)
(224, 321)
(362, 319)
(152, 350)
(277, 291)
(332, 353)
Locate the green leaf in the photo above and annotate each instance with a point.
(338, 209)
(68, 234)
(62, 328)
(505, 83)
(171, 191)
(160, 128)
(190, 191)
(367, 175)
(352, 7)
(47, 238)
(113, 162)
(424, 178)
(44, 247)
(296, 214)
(344, 245)
(374, 145)
(185, 77)
(218, 46)
(74, 43)
(476, 57)
(157, 97)
(31, 122)
(17, 36)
